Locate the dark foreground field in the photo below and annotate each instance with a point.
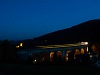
(15, 69)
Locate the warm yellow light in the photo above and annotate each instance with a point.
(66, 57)
(69, 51)
(87, 49)
(86, 43)
(34, 60)
(82, 51)
(17, 46)
(51, 55)
(21, 44)
(77, 52)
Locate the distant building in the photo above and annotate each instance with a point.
(54, 52)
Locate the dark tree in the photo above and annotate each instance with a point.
(8, 52)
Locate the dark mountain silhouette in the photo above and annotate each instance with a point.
(87, 31)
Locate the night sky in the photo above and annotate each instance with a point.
(26, 19)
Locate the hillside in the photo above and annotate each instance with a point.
(87, 31)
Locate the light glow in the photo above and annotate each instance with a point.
(35, 61)
(90, 56)
(89, 52)
(66, 57)
(51, 56)
(17, 46)
(21, 44)
(58, 46)
(87, 49)
(82, 51)
(84, 43)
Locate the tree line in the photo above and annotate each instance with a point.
(8, 52)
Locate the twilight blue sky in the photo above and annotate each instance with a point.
(26, 19)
